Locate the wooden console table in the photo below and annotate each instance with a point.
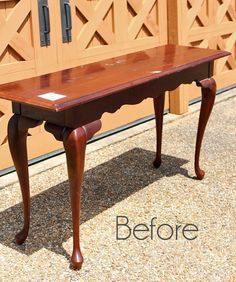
(72, 101)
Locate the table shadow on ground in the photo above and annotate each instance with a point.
(104, 186)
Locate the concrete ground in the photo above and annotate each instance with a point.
(120, 181)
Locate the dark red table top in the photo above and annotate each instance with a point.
(67, 88)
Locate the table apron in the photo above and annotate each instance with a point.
(93, 110)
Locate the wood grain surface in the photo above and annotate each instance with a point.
(90, 82)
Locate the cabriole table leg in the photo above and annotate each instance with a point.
(74, 141)
(159, 103)
(208, 97)
(18, 127)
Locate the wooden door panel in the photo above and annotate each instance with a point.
(213, 25)
(21, 56)
(17, 57)
(38, 145)
(46, 58)
(205, 24)
(107, 28)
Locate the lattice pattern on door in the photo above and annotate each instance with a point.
(111, 23)
(16, 55)
(211, 24)
(206, 24)
(144, 19)
(16, 44)
(94, 18)
(18, 23)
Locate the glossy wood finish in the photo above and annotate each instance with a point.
(159, 111)
(97, 88)
(78, 115)
(111, 102)
(17, 133)
(208, 98)
(83, 84)
(74, 141)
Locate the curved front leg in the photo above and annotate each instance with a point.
(159, 103)
(74, 141)
(75, 144)
(17, 134)
(208, 97)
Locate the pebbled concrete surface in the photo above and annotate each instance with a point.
(120, 181)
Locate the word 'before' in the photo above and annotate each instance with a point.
(152, 230)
